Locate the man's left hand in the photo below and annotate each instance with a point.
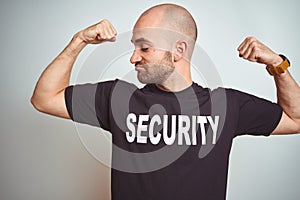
(253, 50)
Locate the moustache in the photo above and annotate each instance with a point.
(140, 64)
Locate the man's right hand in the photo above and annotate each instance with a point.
(98, 33)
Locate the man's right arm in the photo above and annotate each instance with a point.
(48, 95)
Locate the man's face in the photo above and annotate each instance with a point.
(153, 62)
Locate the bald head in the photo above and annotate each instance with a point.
(169, 16)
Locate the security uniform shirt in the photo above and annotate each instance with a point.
(170, 145)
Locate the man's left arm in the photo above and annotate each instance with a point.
(288, 91)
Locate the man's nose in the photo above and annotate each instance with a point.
(135, 57)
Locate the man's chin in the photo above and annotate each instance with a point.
(143, 80)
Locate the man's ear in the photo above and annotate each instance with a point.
(180, 50)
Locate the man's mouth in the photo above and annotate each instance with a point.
(139, 67)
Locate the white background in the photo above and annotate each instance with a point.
(42, 157)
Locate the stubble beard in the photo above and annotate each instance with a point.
(157, 73)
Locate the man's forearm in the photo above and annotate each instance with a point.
(288, 95)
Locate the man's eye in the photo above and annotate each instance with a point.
(144, 48)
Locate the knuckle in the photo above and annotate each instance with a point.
(254, 44)
(255, 48)
(101, 24)
(104, 21)
(98, 28)
(251, 38)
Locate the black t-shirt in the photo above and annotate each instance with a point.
(170, 145)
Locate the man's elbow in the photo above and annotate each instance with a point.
(296, 120)
(40, 103)
(296, 129)
(50, 105)
(298, 123)
(36, 104)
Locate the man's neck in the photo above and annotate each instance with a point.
(175, 86)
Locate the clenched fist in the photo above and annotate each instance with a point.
(253, 50)
(98, 33)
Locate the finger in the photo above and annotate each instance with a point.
(245, 45)
(243, 48)
(112, 32)
(246, 52)
(110, 35)
(99, 33)
(252, 53)
(242, 44)
(106, 34)
(109, 31)
(113, 36)
(252, 56)
(97, 28)
(113, 39)
(100, 30)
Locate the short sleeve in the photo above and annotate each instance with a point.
(256, 116)
(90, 103)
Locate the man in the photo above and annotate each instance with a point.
(172, 138)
